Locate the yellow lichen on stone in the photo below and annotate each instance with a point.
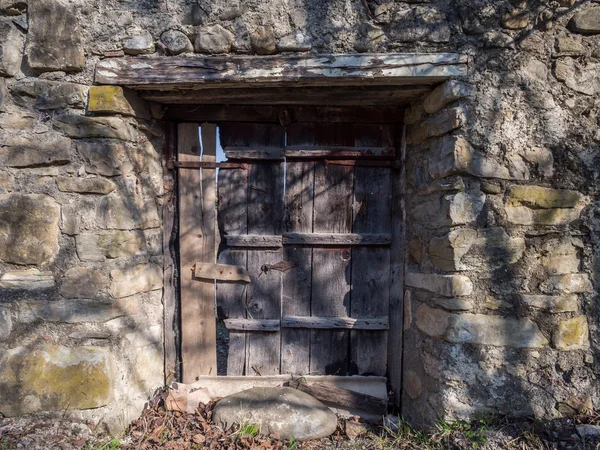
(572, 334)
(109, 99)
(542, 197)
(54, 378)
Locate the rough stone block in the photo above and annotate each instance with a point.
(586, 21)
(11, 48)
(560, 256)
(213, 39)
(81, 282)
(442, 123)
(29, 228)
(71, 220)
(98, 247)
(6, 182)
(573, 283)
(108, 158)
(117, 100)
(94, 127)
(54, 38)
(453, 155)
(5, 323)
(76, 310)
(55, 378)
(453, 304)
(419, 24)
(446, 285)
(95, 185)
(572, 334)
(551, 303)
(449, 210)
(444, 94)
(28, 279)
(468, 249)
(35, 150)
(134, 280)
(13, 7)
(142, 44)
(51, 94)
(479, 329)
(3, 93)
(263, 41)
(176, 42)
(542, 197)
(126, 213)
(569, 46)
(516, 19)
(522, 215)
(579, 76)
(297, 42)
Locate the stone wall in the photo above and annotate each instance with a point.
(502, 169)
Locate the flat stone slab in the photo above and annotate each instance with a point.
(285, 411)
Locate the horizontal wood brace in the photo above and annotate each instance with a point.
(220, 272)
(252, 324)
(254, 153)
(205, 165)
(375, 323)
(253, 240)
(339, 152)
(362, 163)
(336, 239)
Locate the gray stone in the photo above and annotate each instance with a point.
(52, 94)
(573, 283)
(116, 244)
(28, 279)
(498, 39)
(139, 45)
(71, 220)
(5, 323)
(13, 7)
(446, 251)
(588, 431)
(419, 24)
(81, 282)
(35, 150)
(287, 412)
(197, 15)
(449, 210)
(28, 228)
(263, 41)
(569, 46)
(176, 42)
(522, 215)
(444, 94)
(213, 39)
(297, 42)
(542, 157)
(370, 36)
(232, 12)
(11, 48)
(572, 334)
(54, 38)
(126, 213)
(542, 197)
(452, 155)
(551, 303)
(586, 21)
(3, 93)
(6, 182)
(516, 19)
(108, 158)
(94, 185)
(446, 285)
(47, 377)
(442, 123)
(134, 280)
(560, 256)
(581, 77)
(76, 310)
(479, 329)
(94, 127)
(453, 304)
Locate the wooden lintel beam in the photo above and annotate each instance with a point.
(336, 239)
(327, 69)
(220, 272)
(333, 323)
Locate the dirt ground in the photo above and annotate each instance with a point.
(161, 429)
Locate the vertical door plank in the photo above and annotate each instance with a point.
(198, 333)
(370, 265)
(231, 296)
(331, 267)
(397, 249)
(295, 343)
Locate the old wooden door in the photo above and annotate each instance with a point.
(312, 212)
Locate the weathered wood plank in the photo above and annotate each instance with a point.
(336, 239)
(252, 324)
(254, 154)
(224, 71)
(231, 297)
(360, 162)
(396, 306)
(342, 397)
(275, 114)
(302, 152)
(355, 96)
(221, 272)
(198, 327)
(333, 323)
(169, 237)
(253, 241)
